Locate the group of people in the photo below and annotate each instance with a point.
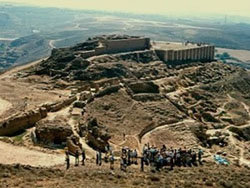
(128, 157)
(156, 158)
(108, 158)
(76, 155)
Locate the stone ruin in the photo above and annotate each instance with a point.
(96, 135)
(178, 53)
(24, 120)
(110, 56)
(52, 133)
(111, 44)
(73, 144)
(166, 51)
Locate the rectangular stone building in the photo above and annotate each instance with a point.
(181, 53)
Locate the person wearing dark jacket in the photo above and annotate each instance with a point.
(67, 160)
(77, 158)
(83, 157)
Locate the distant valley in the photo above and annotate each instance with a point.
(29, 33)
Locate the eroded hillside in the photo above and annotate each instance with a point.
(126, 99)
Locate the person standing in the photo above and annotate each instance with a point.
(83, 157)
(77, 158)
(124, 136)
(129, 156)
(135, 157)
(111, 160)
(123, 162)
(200, 153)
(142, 164)
(99, 158)
(67, 160)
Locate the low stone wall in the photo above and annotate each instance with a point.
(53, 107)
(22, 121)
(107, 91)
(117, 46)
(126, 45)
(152, 126)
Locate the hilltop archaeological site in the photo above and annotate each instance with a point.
(124, 91)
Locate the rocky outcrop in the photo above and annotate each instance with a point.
(22, 121)
(53, 132)
(219, 138)
(85, 95)
(71, 63)
(73, 144)
(108, 91)
(209, 139)
(144, 97)
(209, 118)
(97, 136)
(79, 104)
(241, 133)
(145, 56)
(143, 87)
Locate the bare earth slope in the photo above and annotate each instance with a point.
(135, 101)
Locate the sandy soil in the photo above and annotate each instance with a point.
(11, 154)
(4, 105)
(19, 94)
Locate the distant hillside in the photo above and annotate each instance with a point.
(39, 30)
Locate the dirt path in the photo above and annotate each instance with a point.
(234, 142)
(241, 158)
(90, 153)
(231, 138)
(65, 112)
(62, 112)
(51, 44)
(11, 154)
(146, 137)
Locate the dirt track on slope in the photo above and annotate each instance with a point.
(11, 154)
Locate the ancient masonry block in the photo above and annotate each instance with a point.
(174, 52)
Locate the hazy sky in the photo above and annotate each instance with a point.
(229, 7)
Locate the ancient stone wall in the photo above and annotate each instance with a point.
(117, 46)
(22, 121)
(53, 107)
(200, 53)
(127, 45)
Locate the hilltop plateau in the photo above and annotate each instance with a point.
(120, 99)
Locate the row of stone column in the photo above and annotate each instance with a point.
(202, 53)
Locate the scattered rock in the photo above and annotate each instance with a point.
(96, 135)
(53, 132)
(22, 121)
